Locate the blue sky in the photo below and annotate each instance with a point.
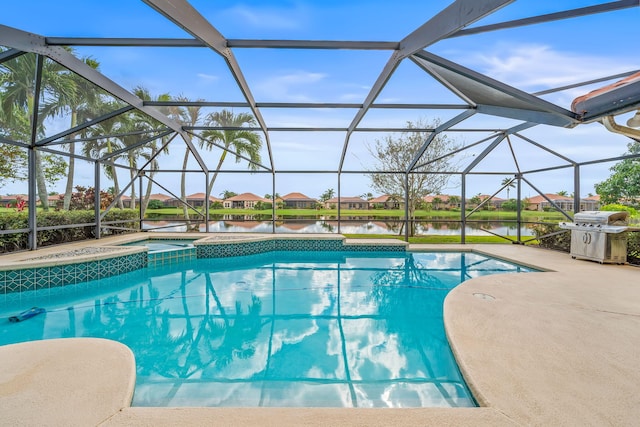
(531, 58)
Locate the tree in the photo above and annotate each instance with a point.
(508, 184)
(152, 147)
(13, 159)
(475, 200)
(511, 205)
(103, 145)
(243, 142)
(82, 104)
(227, 194)
(454, 200)
(623, 186)
(367, 196)
(328, 194)
(17, 84)
(563, 193)
(436, 202)
(395, 154)
(187, 116)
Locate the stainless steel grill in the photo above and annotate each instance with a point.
(599, 236)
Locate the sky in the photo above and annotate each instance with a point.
(531, 58)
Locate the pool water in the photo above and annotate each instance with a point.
(158, 245)
(318, 329)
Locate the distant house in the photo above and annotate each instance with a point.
(442, 201)
(347, 203)
(8, 201)
(196, 200)
(591, 203)
(540, 203)
(160, 197)
(298, 201)
(126, 201)
(243, 201)
(386, 202)
(495, 202)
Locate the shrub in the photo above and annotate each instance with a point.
(562, 241)
(20, 220)
(155, 204)
(559, 242)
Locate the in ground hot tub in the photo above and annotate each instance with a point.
(159, 245)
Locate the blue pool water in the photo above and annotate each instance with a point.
(320, 329)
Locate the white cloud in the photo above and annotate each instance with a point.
(289, 86)
(536, 66)
(207, 77)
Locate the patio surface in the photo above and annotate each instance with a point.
(548, 348)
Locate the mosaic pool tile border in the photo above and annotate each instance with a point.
(228, 249)
(38, 278)
(61, 274)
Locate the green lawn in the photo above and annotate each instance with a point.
(439, 238)
(380, 213)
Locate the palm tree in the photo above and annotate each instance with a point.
(18, 83)
(189, 116)
(227, 194)
(146, 121)
(454, 201)
(328, 194)
(243, 142)
(82, 105)
(508, 183)
(563, 193)
(130, 126)
(106, 145)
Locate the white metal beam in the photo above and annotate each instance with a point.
(29, 42)
(188, 18)
(453, 18)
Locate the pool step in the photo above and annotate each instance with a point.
(171, 256)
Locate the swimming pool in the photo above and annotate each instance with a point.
(332, 329)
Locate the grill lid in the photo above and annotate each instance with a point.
(614, 229)
(602, 217)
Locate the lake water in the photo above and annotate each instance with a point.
(247, 224)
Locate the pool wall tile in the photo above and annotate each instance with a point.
(49, 278)
(225, 250)
(44, 278)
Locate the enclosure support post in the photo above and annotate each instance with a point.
(273, 202)
(33, 172)
(463, 208)
(206, 206)
(339, 200)
(519, 209)
(576, 189)
(32, 199)
(96, 197)
(406, 206)
(140, 175)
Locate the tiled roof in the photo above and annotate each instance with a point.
(383, 199)
(347, 200)
(297, 196)
(200, 196)
(540, 199)
(247, 197)
(159, 196)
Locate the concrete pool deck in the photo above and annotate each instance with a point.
(549, 348)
